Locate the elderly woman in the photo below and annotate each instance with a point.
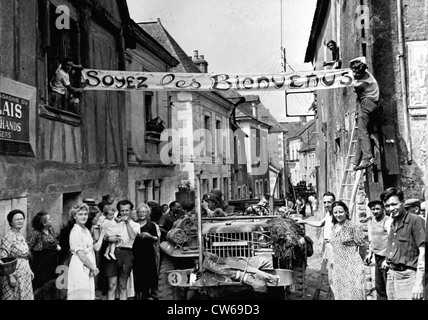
(145, 269)
(17, 285)
(82, 269)
(44, 248)
(348, 276)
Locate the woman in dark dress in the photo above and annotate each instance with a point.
(44, 248)
(144, 270)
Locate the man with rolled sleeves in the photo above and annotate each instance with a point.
(405, 253)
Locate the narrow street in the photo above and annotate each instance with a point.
(185, 137)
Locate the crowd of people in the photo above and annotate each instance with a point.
(395, 247)
(112, 249)
(115, 249)
(108, 248)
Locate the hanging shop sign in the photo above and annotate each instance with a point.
(156, 81)
(17, 118)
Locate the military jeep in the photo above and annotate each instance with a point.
(235, 241)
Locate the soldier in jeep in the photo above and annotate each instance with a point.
(211, 206)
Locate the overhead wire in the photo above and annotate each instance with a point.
(264, 94)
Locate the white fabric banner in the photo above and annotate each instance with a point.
(157, 81)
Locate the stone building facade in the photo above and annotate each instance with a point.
(61, 155)
(255, 181)
(148, 113)
(199, 119)
(398, 60)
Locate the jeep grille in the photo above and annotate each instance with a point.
(244, 244)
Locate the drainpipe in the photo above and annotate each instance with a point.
(401, 56)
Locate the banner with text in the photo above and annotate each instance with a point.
(156, 81)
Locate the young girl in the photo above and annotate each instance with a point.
(109, 227)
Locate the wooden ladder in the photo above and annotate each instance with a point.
(349, 182)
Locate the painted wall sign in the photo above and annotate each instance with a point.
(17, 118)
(14, 118)
(156, 81)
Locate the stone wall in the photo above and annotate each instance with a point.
(384, 23)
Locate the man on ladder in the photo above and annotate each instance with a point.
(367, 90)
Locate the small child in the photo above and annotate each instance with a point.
(110, 227)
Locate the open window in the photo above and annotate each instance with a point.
(59, 42)
(154, 125)
(64, 43)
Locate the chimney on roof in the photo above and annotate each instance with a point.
(200, 62)
(254, 110)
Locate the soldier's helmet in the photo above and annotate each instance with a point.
(212, 197)
(217, 192)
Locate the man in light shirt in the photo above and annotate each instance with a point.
(326, 222)
(367, 90)
(119, 270)
(379, 226)
(60, 84)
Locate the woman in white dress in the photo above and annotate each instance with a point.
(82, 268)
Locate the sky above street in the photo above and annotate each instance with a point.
(240, 36)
